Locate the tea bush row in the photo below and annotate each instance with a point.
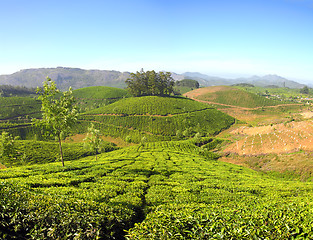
(157, 190)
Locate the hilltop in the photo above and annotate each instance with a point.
(230, 96)
(156, 118)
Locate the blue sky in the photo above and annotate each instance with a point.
(227, 38)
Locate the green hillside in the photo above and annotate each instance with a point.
(156, 118)
(162, 190)
(232, 96)
(100, 92)
(14, 107)
(32, 152)
(94, 97)
(16, 114)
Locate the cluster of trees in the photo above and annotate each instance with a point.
(188, 83)
(150, 83)
(305, 90)
(8, 91)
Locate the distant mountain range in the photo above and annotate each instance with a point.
(66, 77)
(79, 78)
(267, 80)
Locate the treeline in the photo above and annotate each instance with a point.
(150, 83)
(8, 91)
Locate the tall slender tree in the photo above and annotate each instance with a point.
(59, 111)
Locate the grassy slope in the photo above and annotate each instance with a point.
(100, 92)
(32, 152)
(94, 97)
(14, 107)
(167, 187)
(156, 118)
(232, 96)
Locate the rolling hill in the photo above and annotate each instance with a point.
(156, 118)
(231, 96)
(93, 97)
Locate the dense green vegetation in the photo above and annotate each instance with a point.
(282, 94)
(238, 97)
(150, 83)
(30, 152)
(161, 190)
(156, 118)
(158, 189)
(10, 91)
(18, 107)
(185, 85)
(94, 97)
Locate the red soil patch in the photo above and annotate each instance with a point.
(279, 138)
(201, 91)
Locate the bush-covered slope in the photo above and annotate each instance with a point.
(94, 97)
(16, 114)
(22, 107)
(167, 188)
(156, 118)
(231, 96)
(100, 92)
(32, 152)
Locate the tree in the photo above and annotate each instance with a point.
(304, 90)
(7, 147)
(93, 141)
(59, 111)
(150, 83)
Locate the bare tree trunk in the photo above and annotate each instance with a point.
(61, 152)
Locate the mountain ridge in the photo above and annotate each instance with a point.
(79, 78)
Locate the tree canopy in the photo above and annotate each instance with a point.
(188, 83)
(305, 90)
(59, 112)
(150, 83)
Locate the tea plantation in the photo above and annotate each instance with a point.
(168, 186)
(156, 118)
(233, 96)
(160, 190)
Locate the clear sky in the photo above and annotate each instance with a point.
(226, 38)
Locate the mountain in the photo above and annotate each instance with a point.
(261, 81)
(79, 78)
(66, 77)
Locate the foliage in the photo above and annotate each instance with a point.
(58, 114)
(94, 97)
(150, 83)
(19, 107)
(93, 140)
(238, 97)
(7, 147)
(159, 190)
(28, 152)
(155, 118)
(9, 91)
(304, 90)
(188, 83)
(243, 85)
